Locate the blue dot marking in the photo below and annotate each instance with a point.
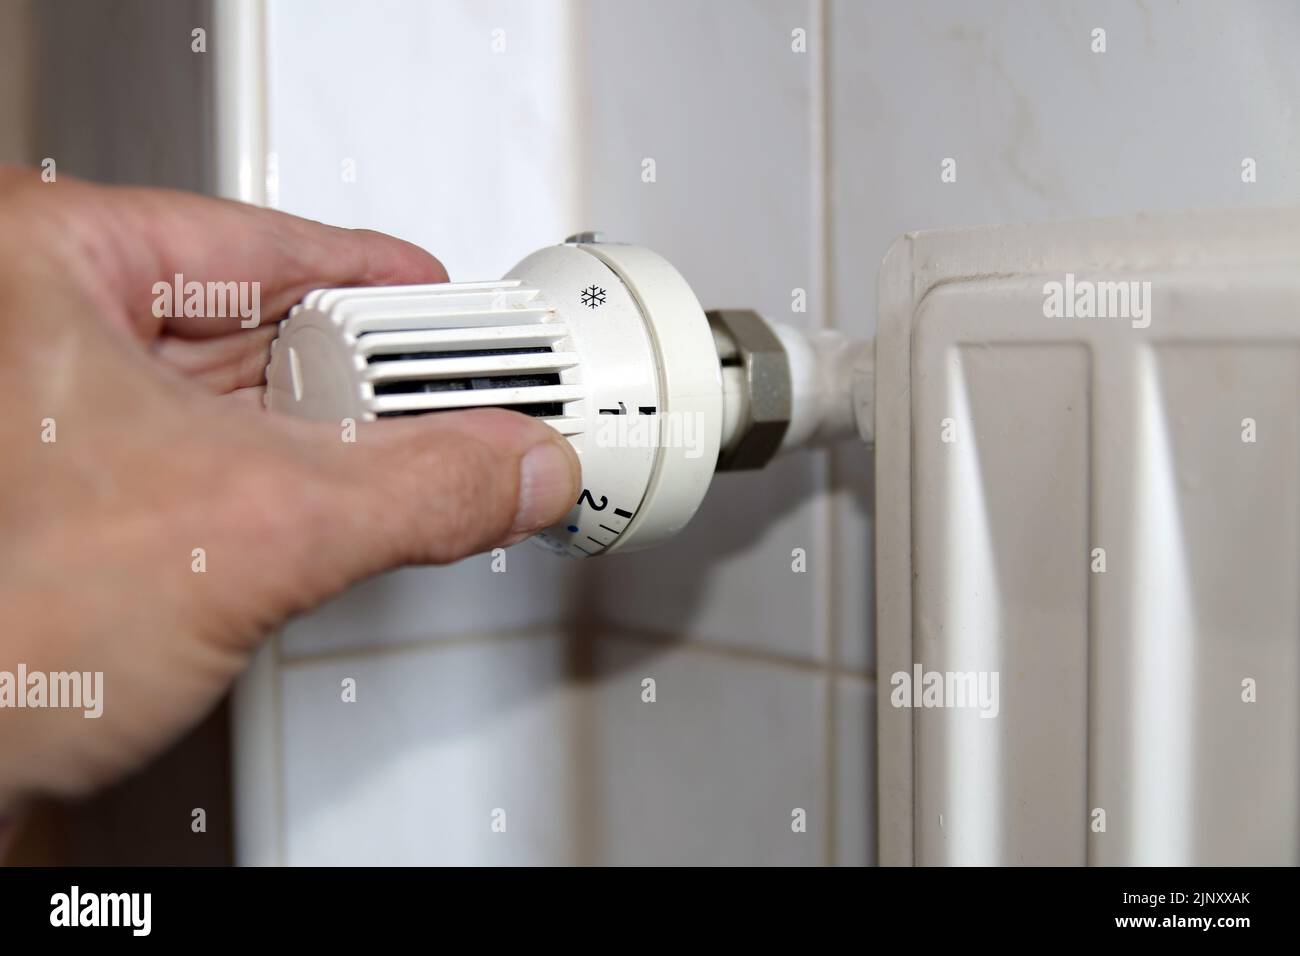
(573, 528)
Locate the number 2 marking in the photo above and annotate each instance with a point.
(591, 502)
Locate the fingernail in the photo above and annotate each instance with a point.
(545, 487)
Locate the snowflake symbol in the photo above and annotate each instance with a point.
(593, 297)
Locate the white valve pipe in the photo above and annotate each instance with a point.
(831, 387)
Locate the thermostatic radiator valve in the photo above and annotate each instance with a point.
(607, 344)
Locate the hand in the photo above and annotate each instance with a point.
(161, 446)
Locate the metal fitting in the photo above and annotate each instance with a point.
(756, 377)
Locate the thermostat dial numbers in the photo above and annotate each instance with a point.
(620, 380)
(599, 522)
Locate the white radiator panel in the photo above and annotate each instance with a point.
(1010, 446)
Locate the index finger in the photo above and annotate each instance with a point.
(128, 239)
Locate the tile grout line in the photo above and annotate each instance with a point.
(667, 641)
(819, 155)
(390, 648)
(640, 635)
(580, 624)
(637, 635)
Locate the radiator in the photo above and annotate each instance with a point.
(1088, 545)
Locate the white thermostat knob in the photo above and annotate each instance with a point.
(605, 342)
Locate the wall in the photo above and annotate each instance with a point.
(775, 170)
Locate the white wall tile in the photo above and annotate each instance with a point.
(855, 772)
(427, 604)
(851, 558)
(711, 771)
(460, 149)
(1042, 127)
(715, 96)
(438, 738)
(728, 578)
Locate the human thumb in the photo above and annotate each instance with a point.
(427, 489)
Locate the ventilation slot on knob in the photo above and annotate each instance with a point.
(526, 378)
(514, 379)
(459, 347)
